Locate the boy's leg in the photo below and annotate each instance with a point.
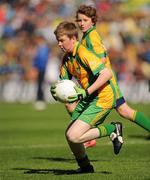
(89, 144)
(74, 134)
(78, 150)
(137, 117)
(140, 119)
(80, 132)
(94, 115)
(81, 157)
(70, 108)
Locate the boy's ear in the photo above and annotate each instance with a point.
(74, 38)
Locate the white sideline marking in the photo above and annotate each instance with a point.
(35, 146)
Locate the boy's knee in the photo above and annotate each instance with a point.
(72, 137)
(126, 112)
(123, 112)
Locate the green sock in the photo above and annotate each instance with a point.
(105, 130)
(142, 121)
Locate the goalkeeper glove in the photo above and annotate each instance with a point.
(80, 94)
(53, 91)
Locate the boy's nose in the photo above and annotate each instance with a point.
(59, 43)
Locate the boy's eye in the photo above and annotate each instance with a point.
(60, 40)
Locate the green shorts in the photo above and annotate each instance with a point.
(90, 113)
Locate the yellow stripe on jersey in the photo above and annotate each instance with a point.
(99, 117)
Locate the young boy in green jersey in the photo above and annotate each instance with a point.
(86, 18)
(96, 96)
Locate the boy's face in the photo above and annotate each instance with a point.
(84, 22)
(66, 43)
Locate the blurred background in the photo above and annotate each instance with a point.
(28, 46)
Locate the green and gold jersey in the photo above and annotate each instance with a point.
(85, 67)
(92, 40)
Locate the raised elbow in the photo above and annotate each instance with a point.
(110, 75)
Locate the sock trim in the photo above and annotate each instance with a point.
(134, 116)
(102, 131)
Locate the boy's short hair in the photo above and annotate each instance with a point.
(66, 28)
(88, 11)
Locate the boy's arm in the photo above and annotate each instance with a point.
(104, 76)
(95, 65)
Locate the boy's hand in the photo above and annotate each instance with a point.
(81, 94)
(53, 91)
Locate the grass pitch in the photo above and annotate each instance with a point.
(33, 147)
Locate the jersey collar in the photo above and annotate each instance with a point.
(76, 46)
(87, 32)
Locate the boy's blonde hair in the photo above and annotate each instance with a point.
(66, 28)
(88, 11)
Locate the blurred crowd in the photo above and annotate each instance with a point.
(28, 46)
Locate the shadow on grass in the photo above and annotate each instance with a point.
(54, 171)
(58, 159)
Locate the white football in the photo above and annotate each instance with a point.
(64, 89)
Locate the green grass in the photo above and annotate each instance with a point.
(33, 146)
